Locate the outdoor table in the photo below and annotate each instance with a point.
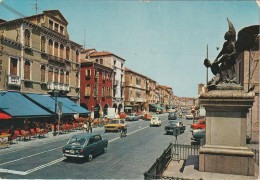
(4, 141)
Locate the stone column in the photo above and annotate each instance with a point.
(225, 150)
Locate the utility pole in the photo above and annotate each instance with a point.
(207, 67)
(36, 6)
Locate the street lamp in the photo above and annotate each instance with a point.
(55, 93)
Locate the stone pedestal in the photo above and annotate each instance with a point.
(225, 149)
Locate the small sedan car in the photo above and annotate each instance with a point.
(155, 121)
(85, 146)
(173, 125)
(189, 116)
(114, 125)
(122, 115)
(132, 117)
(172, 116)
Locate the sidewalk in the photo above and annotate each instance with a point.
(189, 169)
(43, 140)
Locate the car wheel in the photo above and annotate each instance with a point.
(90, 157)
(105, 149)
(69, 158)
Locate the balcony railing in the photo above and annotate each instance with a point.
(122, 84)
(66, 87)
(14, 80)
(50, 85)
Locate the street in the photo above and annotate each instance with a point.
(126, 158)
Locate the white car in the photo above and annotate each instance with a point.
(155, 121)
(189, 116)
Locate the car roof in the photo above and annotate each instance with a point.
(174, 121)
(85, 135)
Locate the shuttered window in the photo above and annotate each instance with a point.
(56, 75)
(56, 47)
(27, 70)
(67, 53)
(42, 73)
(62, 77)
(77, 79)
(62, 51)
(87, 91)
(50, 47)
(43, 42)
(50, 75)
(13, 66)
(77, 56)
(67, 77)
(27, 37)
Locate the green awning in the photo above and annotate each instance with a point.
(156, 106)
(128, 107)
(159, 107)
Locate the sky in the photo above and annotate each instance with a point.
(163, 40)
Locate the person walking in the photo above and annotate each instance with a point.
(90, 126)
(85, 127)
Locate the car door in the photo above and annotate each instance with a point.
(98, 144)
(91, 148)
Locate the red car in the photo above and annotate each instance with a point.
(147, 116)
(122, 115)
(200, 125)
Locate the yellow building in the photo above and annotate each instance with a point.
(37, 56)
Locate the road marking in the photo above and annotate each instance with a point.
(52, 162)
(30, 156)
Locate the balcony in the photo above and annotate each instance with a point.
(122, 84)
(66, 87)
(14, 80)
(56, 59)
(116, 82)
(50, 85)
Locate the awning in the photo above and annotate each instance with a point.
(127, 107)
(16, 105)
(71, 105)
(46, 101)
(5, 116)
(156, 106)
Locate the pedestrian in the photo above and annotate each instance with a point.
(90, 126)
(85, 127)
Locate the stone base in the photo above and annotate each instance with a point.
(226, 159)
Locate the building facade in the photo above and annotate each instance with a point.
(117, 64)
(247, 71)
(37, 56)
(135, 92)
(96, 88)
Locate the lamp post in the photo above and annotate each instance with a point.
(55, 93)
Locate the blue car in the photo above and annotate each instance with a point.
(85, 146)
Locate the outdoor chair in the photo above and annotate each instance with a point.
(39, 132)
(25, 134)
(18, 135)
(33, 133)
(12, 138)
(46, 131)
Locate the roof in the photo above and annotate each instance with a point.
(47, 102)
(87, 50)
(127, 69)
(104, 53)
(85, 135)
(16, 105)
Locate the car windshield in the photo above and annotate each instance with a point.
(114, 121)
(132, 114)
(77, 141)
(172, 114)
(173, 124)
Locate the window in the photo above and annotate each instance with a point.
(56, 28)
(67, 77)
(62, 51)
(101, 61)
(27, 37)
(56, 75)
(13, 66)
(61, 29)
(43, 73)
(77, 56)
(87, 91)
(103, 75)
(88, 72)
(61, 76)
(50, 75)
(97, 138)
(114, 62)
(77, 79)
(56, 47)
(43, 43)
(50, 24)
(96, 60)
(103, 92)
(107, 93)
(95, 91)
(68, 53)
(50, 47)
(27, 70)
(91, 140)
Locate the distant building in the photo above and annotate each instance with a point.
(96, 88)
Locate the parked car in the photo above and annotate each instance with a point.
(172, 116)
(174, 124)
(85, 146)
(155, 121)
(114, 125)
(189, 115)
(122, 115)
(198, 135)
(200, 125)
(140, 114)
(147, 116)
(132, 117)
